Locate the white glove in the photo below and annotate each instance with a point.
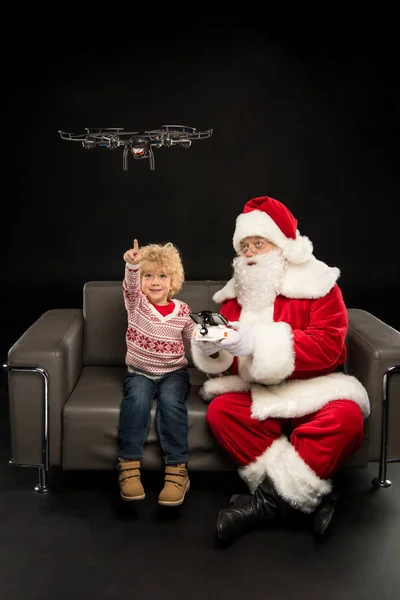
(240, 340)
(206, 348)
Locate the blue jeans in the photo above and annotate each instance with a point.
(171, 416)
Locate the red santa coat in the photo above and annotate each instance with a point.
(299, 342)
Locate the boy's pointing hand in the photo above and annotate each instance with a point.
(133, 256)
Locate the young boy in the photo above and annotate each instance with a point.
(157, 367)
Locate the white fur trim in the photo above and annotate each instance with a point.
(273, 356)
(259, 223)
(292, 478)
(312, 279)
(303, 396)
(213, 366)
(252, 316)
(228, 291)
(222, 385)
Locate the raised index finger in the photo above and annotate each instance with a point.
(135, 245)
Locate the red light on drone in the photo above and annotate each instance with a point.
(138, 151)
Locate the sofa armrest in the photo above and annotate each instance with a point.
(54, 344)
(373, 348)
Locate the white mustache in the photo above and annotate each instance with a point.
(268, 260)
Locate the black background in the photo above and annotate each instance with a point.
(307, 113)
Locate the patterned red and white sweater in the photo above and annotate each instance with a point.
(154, 343)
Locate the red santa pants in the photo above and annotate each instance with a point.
(324, 439)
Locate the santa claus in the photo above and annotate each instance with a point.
(284, 410)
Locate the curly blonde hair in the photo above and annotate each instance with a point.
(166, 258)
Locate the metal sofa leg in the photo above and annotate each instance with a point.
(43, 485)
(381, 480)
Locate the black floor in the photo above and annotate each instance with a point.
(81, 541)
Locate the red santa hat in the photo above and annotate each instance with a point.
(270, 219)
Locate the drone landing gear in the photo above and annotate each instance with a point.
(151, 159)
(125, 158)
(138, 153)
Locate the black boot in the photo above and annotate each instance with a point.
(239, 500)
(251, 511)
(323, 518)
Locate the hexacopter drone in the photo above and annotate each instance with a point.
(140, 145)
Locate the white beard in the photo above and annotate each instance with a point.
(258, 279)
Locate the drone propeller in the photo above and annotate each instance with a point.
(178, 128)
(100, 129)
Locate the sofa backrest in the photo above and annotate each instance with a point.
(105, 319)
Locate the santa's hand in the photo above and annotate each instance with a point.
(240, 340)
(207, 348)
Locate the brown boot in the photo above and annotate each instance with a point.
(175, 486)
(130, 485)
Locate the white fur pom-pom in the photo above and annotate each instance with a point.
(299, 250)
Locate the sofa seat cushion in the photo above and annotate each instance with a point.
(91, 417)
